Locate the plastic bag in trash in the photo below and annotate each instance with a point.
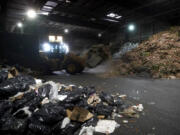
(23, 113)
(89, 90)
(44, 90)
(5, 106)
(104, 110)
(106, 98)
(74, 96)
(13, 126)
(3, 75)
(118, 102)
(57, 128)
(29, 99)
(71, 128)
(49, 114)
(38, 128)
(87, 130)
(12, 86)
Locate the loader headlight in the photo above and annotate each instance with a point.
(66, 48)
(46, 47)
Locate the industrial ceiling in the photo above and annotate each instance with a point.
(89, 16)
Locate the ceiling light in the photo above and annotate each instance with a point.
(52, 38)
(66, 30)
(51, 3)
(118, 17)
(31, 14)
(113, 15)
(67, 1)
(111, 20)
(48, 7)
(44, 13)
(19, 24)
(131, 27)
(99, 35)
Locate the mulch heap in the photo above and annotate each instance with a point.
(159, 56)
(30, 106)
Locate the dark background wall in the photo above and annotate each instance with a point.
(143, 30)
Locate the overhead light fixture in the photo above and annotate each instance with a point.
(59, 39)
(99, 35)
(44, 13)
(48, 7)
(118, 17)
(66, 48)
(19, 24)
(111, 20)
(66, 30)
(114, 15)
(131, 27)
(67, 1)
(52, 39)
(31, 14)
(111, 15)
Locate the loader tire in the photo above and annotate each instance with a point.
(80, 69)
(72, 68)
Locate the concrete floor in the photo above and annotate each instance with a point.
(160, 98)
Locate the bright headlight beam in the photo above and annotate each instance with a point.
(19, 24)
(31, 14)
(46, 47)
(66, 47)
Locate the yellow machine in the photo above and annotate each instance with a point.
(55, 55)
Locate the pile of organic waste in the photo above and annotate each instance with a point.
(159, 56)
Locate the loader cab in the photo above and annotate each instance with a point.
(54, 48)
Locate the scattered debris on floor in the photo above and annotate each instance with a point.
(158, 57)
(106, 126)
(30, 106)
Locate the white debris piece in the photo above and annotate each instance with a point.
(114, 115)
(80, 87)
(61, 97)
(38, 81)
(138, 107)
(53, 94)
(122, 96)
(26, 111)
(19, 94)
(36, 109)
(106, 126)
(45, 101)
(125, 121)
(65, 122)
(87, 130)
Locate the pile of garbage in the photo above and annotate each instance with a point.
(159, 56)
(30, 106)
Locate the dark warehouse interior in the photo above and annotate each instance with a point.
(89, 67)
